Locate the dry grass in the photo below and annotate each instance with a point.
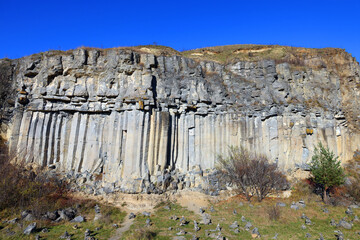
(274, 213)
(298, 58)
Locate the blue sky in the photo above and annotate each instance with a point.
(34, 26)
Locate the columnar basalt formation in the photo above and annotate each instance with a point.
(134, 116)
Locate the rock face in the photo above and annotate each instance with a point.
(133, 116)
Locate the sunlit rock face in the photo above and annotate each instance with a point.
(133, 117)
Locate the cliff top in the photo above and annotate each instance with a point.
(296, 56)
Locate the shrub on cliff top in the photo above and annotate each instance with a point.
(250, 174)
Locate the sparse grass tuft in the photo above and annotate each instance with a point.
(274, 213)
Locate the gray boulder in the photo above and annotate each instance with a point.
(66, 235)
(206, 220)
(248, 225)
(146, 214)
(29, 217)
(52, 215)
(294, 206)
(25, 213)
(339, 235)
(349, 211)
(255, 233)
(67, 214)
(345, 224)
(30, 228)
(78, 219)
(12, 221)
(148, 222)
(234, 225)
(333, 223)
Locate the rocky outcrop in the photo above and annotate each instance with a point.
(134, 117)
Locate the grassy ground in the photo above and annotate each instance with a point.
(288, 226)
(111, 215)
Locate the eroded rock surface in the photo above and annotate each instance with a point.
(138, 120)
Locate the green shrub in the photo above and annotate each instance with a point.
(326, 169)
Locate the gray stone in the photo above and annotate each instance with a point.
(308, 221)
(146, 214)
(148, 222)
(78, 219)
(29, 217)
(98, 214)
(255, 233)
(339, 235)
(67, 214)
(25, 213)
(181, 232)
(12, 221)
(345, 224)
(218, 228)
(333, 223)
(179, 238)
(206, 220)
(294, 206)
(349, 211)
(87, 233)
(132, 215)
(30, 228)
(52, 215)
(234, 225)
(66, 235)
(248, 225)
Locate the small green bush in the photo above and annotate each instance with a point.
(326, 169)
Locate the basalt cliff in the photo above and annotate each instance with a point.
(141, 117)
